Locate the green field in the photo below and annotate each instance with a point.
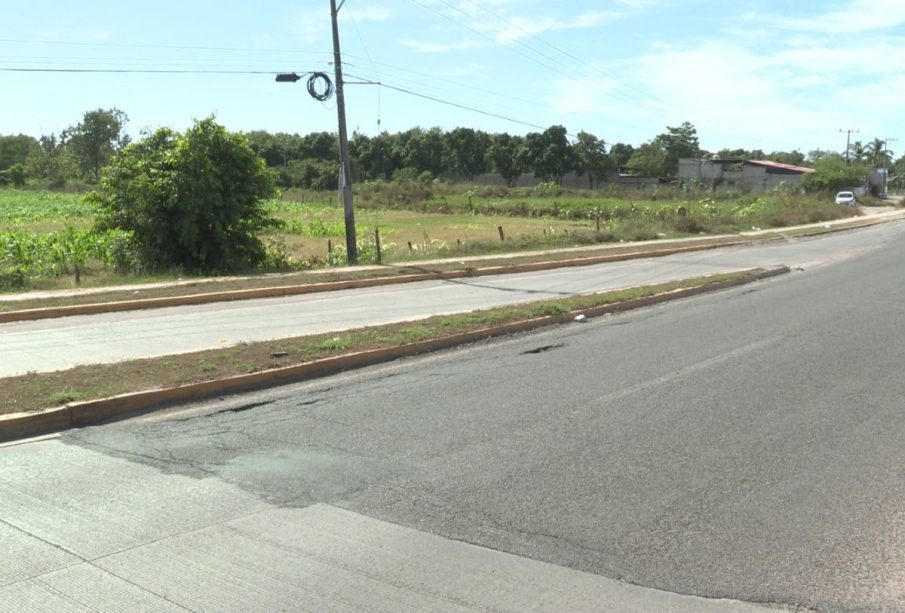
(47, 240)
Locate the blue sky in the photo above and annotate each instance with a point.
(762, 74)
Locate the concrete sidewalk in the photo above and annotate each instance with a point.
(168, 542)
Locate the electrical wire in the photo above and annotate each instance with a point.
(147, 46)
(556, 66)
(451, 103)
(320, 87)
(137, 71)
(564, 52)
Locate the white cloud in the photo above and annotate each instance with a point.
(858, 17)
(781, 98)
(524, 27)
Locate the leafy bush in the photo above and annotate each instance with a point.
(194, 201)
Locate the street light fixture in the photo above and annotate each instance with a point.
(287, 77)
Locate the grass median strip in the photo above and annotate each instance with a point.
(36, 391)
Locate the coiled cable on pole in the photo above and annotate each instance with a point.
(320, 87)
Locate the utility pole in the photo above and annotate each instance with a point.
(345, 173)
(848, 140)
(886, 141)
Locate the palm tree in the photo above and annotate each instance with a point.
(857, 151)
(878, 154)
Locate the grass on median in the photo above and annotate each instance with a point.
(35, 391)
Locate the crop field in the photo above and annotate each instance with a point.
(47, 238)
(35, 211)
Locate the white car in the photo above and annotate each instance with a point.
(846, 198)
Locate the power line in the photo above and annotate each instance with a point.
(139, 71)
(620, 95)
(451, 103)
(149, 46)
(563, 52)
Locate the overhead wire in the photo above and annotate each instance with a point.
(158, 46)
(137, 70)
(453, 104)
(556, 66)
(564, 52)
(618, 94)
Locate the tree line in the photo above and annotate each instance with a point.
(310, 161)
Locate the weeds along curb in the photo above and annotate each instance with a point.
(311, 288)
(79, 414)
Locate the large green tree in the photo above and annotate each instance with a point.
(878, 154)
(549, 153)
(506, 155)
(678, 142)
(620, 154)
(93, 142)
(51, 162)
(465, 152)
(193, 201)
(15, 149)
(649, 160)
(591, 158)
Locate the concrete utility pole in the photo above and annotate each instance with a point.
(886, 141)
(345, 174)
(848, 140)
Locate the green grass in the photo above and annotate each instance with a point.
(415, 222)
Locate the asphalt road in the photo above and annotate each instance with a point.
(743, 445)
(47, 345)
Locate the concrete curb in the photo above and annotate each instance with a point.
(80, 414)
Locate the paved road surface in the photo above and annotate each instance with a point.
(56, 344)
(743, 445)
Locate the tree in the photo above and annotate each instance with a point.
(795, 157)
(678, 142)
(506, 155)
(15, 149)
(591, 158)
(16, 174)
(857, 152)
(832, 174)
(421, 150)
(465, 152)
(620, 154)
(549, 153)
(192, 200)
(94, 141)
(816, 155)
(878, 154)
(50, 161)
(649, 160)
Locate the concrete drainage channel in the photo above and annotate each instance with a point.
(80, 414)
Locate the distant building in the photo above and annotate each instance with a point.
(740, 174)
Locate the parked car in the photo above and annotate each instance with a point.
(846, 198)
